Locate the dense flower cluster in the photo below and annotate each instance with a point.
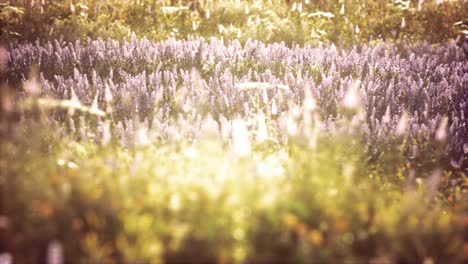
(171, 88)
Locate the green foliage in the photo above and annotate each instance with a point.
(102, 27)
(340, 22)
(9, 17)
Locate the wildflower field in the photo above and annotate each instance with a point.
(207, 138)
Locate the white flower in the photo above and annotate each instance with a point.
(441, 133)
(73, 103)
(141, 137)
(352, 98)
(240, 138)
(262, 131)
(292, 126)
(274, 108)
(108, 94)
(386, 118)
(402, 124)
(309, 102)
(32, 87)
(106, 133)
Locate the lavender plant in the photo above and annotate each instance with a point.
(248, 153)
(184, 81)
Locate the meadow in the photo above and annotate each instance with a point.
(225, 141)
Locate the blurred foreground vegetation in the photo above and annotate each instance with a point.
(198, 202)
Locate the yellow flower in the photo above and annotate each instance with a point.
(290, 220)
(301, 229)
(341, 224)
(45, 209)
(316, 237)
